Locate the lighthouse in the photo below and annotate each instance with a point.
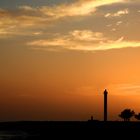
(105, 105)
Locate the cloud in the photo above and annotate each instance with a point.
(113, 29)
(12, 24)
(118, 23)
(82, 40)
(27, 8)
(87, 35)
(79, 8)
(126, 89)
(25, 18)
(109, 25)
(117, 14)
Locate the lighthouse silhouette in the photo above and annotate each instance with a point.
(105, 105)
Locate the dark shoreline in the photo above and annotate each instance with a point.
(43, 129)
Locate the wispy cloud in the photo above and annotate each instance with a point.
(83, 40)
(27, 8)
(113, 29)
(87, 35)
(118, 23)
(74, 40)
(25, 18)
(117, 14)
(125, 89)
(18, 24)
(79, 8)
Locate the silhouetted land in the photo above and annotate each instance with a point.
(44, 129)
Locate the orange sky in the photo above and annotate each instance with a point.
(55, 64)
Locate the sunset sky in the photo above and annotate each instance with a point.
(58, 56)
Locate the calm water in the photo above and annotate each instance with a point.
(12, 135)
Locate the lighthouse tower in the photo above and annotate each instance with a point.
(105, 105)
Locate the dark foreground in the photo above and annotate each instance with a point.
(68, 130)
